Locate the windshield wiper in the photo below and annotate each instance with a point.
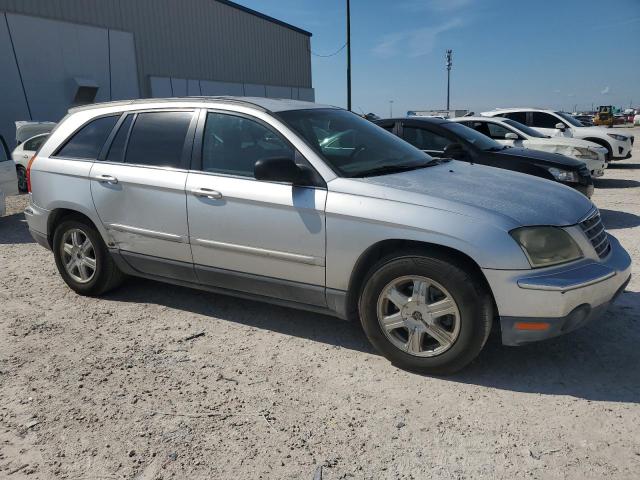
(388, 169)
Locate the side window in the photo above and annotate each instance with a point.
(233, 144)
(88, 141)
(517, 116)
(497, 132)
(3, 151)
(117, 148)
(158, 139)
(544, 120)
(425, 140)
(482, 127)
(35, 143)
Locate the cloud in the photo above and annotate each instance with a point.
(556, 90)
(413, 43)
(434, 5)
(605, 90)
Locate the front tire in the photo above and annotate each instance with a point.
(83, 260)
(426, 313)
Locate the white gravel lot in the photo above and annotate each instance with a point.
(110, 389)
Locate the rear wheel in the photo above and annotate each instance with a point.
(426, 313)
(83, 259)
(22, 178)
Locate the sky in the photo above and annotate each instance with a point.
(506, 53)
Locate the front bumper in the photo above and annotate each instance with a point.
(622, 150)
(535, 305)
(586, 190)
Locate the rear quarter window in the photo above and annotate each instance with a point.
(88, 141)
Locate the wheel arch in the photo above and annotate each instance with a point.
(58, 215)
(603, 143)
(388, 247)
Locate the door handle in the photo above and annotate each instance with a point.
(207, 192)
(105, 179)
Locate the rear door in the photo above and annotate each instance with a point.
(138, 189)
(8, 177)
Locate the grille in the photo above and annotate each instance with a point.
(595, 232)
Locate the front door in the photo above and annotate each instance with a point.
(138, 189)
(264, 238)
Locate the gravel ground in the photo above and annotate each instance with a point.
(114, 388)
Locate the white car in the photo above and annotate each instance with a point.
(559, 124)
(514, 134)
(22, 154)
(8, 180)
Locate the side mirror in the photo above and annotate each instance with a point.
(455, 151)
(560, 126)
(511, 136)
(279, 169)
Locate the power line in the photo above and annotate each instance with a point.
(331, 54)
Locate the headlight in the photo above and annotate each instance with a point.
(620, 138)
(586, 153)
(546, 246)
(564, 175)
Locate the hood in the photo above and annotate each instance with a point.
(477, 191)
(548, 157)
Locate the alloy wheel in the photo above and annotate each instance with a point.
(418, 316)
(78, 255)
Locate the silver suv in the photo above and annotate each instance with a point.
(316, 208)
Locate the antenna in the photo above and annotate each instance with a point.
(449, 57)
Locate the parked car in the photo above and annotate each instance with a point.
(636, 120)
(444, 138)
(513, 134)
(22, 154)
(585, 120)
(243, 196)
(8, 179)
(26, 129)
(558, 124)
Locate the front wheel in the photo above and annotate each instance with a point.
(83, 259)
(426, 313)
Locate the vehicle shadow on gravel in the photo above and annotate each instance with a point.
(288, 321)
(598, 362)
(615, 183)
(630, 166)
(617, 220)
(14, 230)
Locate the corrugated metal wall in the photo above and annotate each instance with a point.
(195, 39)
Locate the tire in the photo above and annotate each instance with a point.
(22, 178)
(82, 277)
(467, 327)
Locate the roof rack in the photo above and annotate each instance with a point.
(115, 103)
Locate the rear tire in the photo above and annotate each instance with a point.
(406, 339)
(83, 260)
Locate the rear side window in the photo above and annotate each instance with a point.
(87, 142)
(158, 139)
(117, 148)
(544, 120)
(425, 140)
(517, 116)
(34, 144)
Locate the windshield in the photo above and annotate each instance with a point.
(353, 146)
(472, 136)
(570, 119)
(524, 129)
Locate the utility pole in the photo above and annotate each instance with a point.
(349, 55)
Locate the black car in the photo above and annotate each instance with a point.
(445, 139)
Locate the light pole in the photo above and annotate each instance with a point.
(390, 108)
(349, 55)
(449, 64)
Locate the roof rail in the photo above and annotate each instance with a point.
(224, 99)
